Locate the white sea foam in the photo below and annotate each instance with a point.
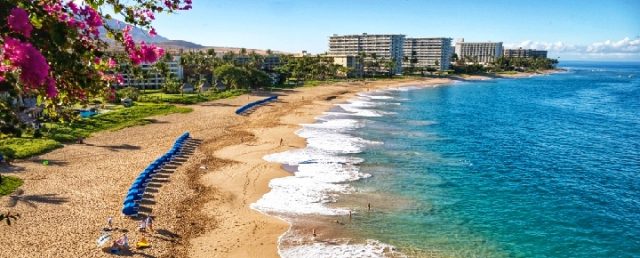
(380, 97)
(301, 195)
(335, 124)
(375, 95)
(323, 171)
(333, 141)
(359, 108)
(372, 248)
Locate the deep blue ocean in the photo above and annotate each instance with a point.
(547, 166)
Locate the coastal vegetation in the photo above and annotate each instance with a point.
(8, 184)
(54, 59)
(51, 135)
(523, 64)
(502, 65)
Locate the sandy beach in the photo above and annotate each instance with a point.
(201, 209)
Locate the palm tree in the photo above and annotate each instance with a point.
(8, 217)
(361, 57)
(390, 66)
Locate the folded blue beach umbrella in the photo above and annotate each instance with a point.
(133, 191)
(130, 209)
(132, 198)
(139, 185)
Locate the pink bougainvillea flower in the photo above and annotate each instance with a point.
(34, 67)
(111, 63)
(120, 78)
(52, 90)
(18, 21)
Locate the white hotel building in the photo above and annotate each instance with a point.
(427, 52)
(153, 79)
(383, 46)
(481, 52)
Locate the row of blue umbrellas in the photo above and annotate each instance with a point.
(255, 103)
(137, 189)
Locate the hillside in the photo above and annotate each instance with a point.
(140, 35)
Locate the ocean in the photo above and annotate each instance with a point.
(547, 166)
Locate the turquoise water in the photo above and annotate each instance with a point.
(546, 166)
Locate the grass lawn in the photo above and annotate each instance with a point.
(9, 184)
(188, 98)
(56, 133)
(21, 148)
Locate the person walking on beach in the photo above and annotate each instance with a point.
(110, 222)
(149, 222)
(280, 141)
(369, 206)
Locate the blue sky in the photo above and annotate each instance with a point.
(608, 30)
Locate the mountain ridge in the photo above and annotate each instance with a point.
(141, 35)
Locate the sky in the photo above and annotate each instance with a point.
(568, 29)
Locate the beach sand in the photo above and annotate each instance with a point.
(201, 208)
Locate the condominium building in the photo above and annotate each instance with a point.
(524, 53)
(349, 62)
(152, 78)
(427, 52)
(481, 52)
(270, 62)
(372, 47)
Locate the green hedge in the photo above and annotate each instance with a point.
(9, 184)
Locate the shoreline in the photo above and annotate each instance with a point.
(202, 210)
(311, 118)
(252, 232)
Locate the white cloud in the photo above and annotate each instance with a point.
(624, 48)
(549, 46)
(625, 45)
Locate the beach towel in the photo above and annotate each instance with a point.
(103, 239)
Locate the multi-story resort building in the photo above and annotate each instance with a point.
(270, 62)
(481, 52)
(350, 62)
(372, 47)
(524, 53)
(152, 78)
(427, 52)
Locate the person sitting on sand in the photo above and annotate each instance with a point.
(125, 241)
(121, 244)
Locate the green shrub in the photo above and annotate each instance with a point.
(8, 184)
(129, 92)
(171, 86)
